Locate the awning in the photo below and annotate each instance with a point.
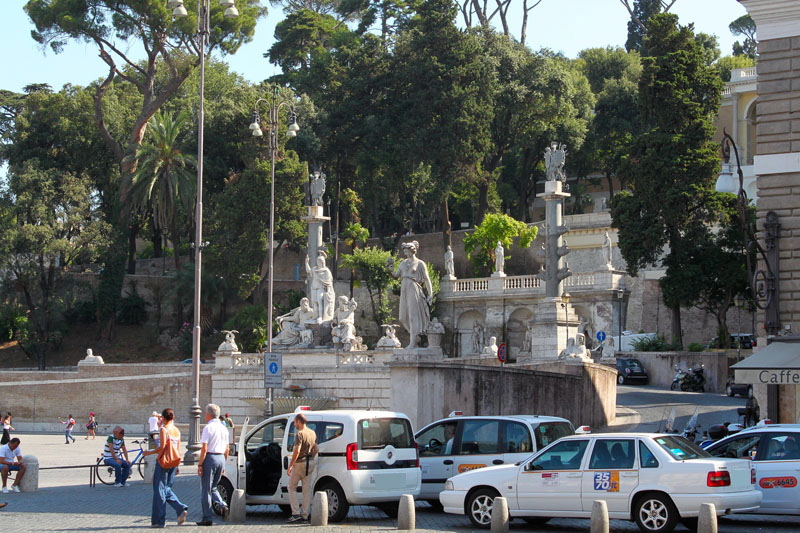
(777, 364)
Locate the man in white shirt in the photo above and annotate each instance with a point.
(211, 466)
(9, 453)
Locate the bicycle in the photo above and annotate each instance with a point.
(106, 473)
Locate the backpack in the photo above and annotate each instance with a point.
(170, 454)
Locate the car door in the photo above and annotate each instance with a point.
(435, 459)
(478, 446)
(262, 449)
(516, 441)
(777, 466)
(611, 475)
(241, 458)
(552, 480)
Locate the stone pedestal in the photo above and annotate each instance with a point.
(435, 340)
(30, 481)
(322, 334)
(149, 467)
(549, 326)
(315, 220)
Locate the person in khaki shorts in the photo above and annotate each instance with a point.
(305, 450)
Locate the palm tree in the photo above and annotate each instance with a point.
(164, 178)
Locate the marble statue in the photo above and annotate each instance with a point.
(321, 288)
(491, 348)
(575, 350)
(435, 326)
(527, 344)
(229, 344)
(608, 347)
(293, 326)
(477, 337)
(344, 330)
(389, 339)
(449, 266)
(317, 188)
(555, 156)
(499, 257)
(607, 250)
(416, 292)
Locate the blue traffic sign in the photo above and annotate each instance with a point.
(601, 335)
(501, 353)
(273, 368)
(273, 375)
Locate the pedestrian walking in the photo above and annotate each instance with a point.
(7, 429)
(115, 455)
(70, 423)
(164, 475)
(213, 454)
(154, 424)
(301, 467)
(91, 426)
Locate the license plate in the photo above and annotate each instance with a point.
(390, 481)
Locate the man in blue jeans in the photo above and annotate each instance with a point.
(113, 454)
(211, 465)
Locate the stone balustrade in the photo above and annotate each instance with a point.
(529, 285)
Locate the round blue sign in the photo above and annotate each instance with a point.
(601, 335)
(273, 368)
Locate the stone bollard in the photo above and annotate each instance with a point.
(149, 467)
(319, 509)
(707, 521)
(30, 481)
(500, 515)
(599, 522)
(238, 508)
(407, 513)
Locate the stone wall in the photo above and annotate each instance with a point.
(660, 366)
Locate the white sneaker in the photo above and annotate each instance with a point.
(5, 490)
(14, 488)
(118, 485)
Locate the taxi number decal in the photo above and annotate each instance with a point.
(777, 482)
(607, 481)
(467, 468)
(550, 479)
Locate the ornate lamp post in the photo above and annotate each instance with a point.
(291, 131)
(203, 18)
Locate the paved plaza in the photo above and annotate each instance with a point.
(65, 502)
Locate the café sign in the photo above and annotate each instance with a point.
(774, 376)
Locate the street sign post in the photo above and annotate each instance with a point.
(273, 370)
(501, 353)
(601, 335)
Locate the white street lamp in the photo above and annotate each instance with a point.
(291, 131)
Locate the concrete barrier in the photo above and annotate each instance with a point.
(30, 481)
(319, 509)
(707, 521)
(599, 522)
(238, 509)
(407, 513)
(149, 467)
(500, 515)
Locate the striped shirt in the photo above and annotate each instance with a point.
(116, 444)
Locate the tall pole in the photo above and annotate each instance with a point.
(273, 149)
(193, 446)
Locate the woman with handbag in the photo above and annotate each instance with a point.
(169, 457)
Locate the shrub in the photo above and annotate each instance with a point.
(132, 309)
(252, 324)
(696, 347)
(655, 344)
(12, 319)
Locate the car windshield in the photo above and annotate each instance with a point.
(681, 448)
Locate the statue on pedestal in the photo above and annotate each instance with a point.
(608, 347)
(416, 292)
(294, 326)
(344, 330)
(575, 350)
(527, 345)
(491, 348)
(449, 266)
(607, 251)
(229, 344)
(555, 156)
(317, 188)
(322, 295)
(389, 339)
(499, 260)
(477, 337)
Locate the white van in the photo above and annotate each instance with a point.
(458, 444)
(365, 458)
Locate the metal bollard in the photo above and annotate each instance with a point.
(599, 522)
(500, 515)
(238, 509)
(707, 521)
(319, 509)
(407, 513)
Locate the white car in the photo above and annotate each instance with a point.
(458, 443)
(365, 458)
(654, 479)
(775, 451)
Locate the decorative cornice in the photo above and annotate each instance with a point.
(775, 19)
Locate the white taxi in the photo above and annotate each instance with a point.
(654, 479)
(365, 458)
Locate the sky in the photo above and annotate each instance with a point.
(568, 26)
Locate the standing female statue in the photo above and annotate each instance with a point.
(322, 294)
(414, 302)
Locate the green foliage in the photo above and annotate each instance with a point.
(12, 320)
(725, 64)
(370, 264)
(643, 11)
(480, 244)
(655, 344)
(355, 234)
(81, 312)
(253, 326)
(696, 347)
(746, 27)
(133, 308)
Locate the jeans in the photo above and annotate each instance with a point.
(213, 465)
(121, 470)
(163, 495)
(68, 435)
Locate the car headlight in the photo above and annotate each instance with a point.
(449, 485)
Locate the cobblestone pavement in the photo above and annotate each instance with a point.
(65, 502)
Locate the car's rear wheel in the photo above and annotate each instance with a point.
(621, 379)
(479, 507)
(225, 489)
(337, 501)
(655, 513)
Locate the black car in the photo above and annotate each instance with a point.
(629, 369)
(742, 389)
(745, 341)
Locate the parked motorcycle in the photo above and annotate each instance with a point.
(694, 380)
(676, 381)
(719, 431)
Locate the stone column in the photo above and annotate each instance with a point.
(555, 269)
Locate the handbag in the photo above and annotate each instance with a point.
(170, 455)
